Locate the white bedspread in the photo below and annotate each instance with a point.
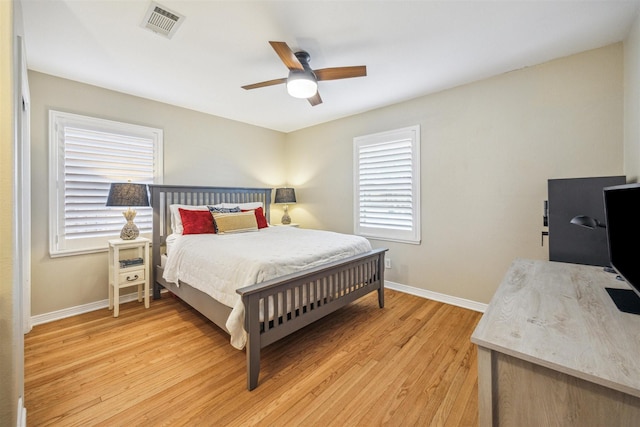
(220, 264)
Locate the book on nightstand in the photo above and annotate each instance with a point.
(124, 263)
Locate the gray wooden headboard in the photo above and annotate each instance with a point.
(162, 196)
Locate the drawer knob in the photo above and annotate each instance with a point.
(129, 279)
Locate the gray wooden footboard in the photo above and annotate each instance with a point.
(298, 299)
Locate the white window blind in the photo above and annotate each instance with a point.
(87, 155)
(387, 182)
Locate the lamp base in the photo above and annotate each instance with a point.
(130, 230)
(286, 219)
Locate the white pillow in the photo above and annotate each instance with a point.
(176, 219)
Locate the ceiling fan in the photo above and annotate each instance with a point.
(302, 81)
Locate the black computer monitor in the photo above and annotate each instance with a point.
(622, 213)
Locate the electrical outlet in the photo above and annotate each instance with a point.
(387, 263)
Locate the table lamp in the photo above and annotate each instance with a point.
(587, 221)
(285, 196)
(128, 194)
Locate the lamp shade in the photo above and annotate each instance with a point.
(587, 222)
(302, 86)
(128, 194)
(302, 83)
(285, 195)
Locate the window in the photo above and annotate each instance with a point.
(86, 155)
(387, 185)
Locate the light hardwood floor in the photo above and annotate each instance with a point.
(410, 363)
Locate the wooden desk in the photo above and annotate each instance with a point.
(553, 350)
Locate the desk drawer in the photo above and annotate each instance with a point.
(131, 276)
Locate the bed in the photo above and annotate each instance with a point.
(273, 308)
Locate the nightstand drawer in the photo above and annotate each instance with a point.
(131, 275)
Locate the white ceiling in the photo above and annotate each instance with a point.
(410, 48)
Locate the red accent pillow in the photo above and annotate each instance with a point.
(196, 222)
(260, 218)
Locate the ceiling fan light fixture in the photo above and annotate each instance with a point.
(301, 84)
(302, 81)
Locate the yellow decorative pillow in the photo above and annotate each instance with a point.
(235, 222)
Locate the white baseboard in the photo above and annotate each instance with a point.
(73, 311)
(98, 305)
(447, 299)
(22, 414)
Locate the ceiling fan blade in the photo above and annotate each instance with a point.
(267, 83)
(286, 55)
(340, 72)
(315, 99)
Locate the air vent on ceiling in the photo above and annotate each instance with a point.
(161, 20)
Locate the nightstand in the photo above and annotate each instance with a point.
(293, 224)
(129, 270)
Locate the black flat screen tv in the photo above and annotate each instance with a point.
(622, 214)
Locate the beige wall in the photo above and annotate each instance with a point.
(488, 149)
(199, 149)
(632, 103)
